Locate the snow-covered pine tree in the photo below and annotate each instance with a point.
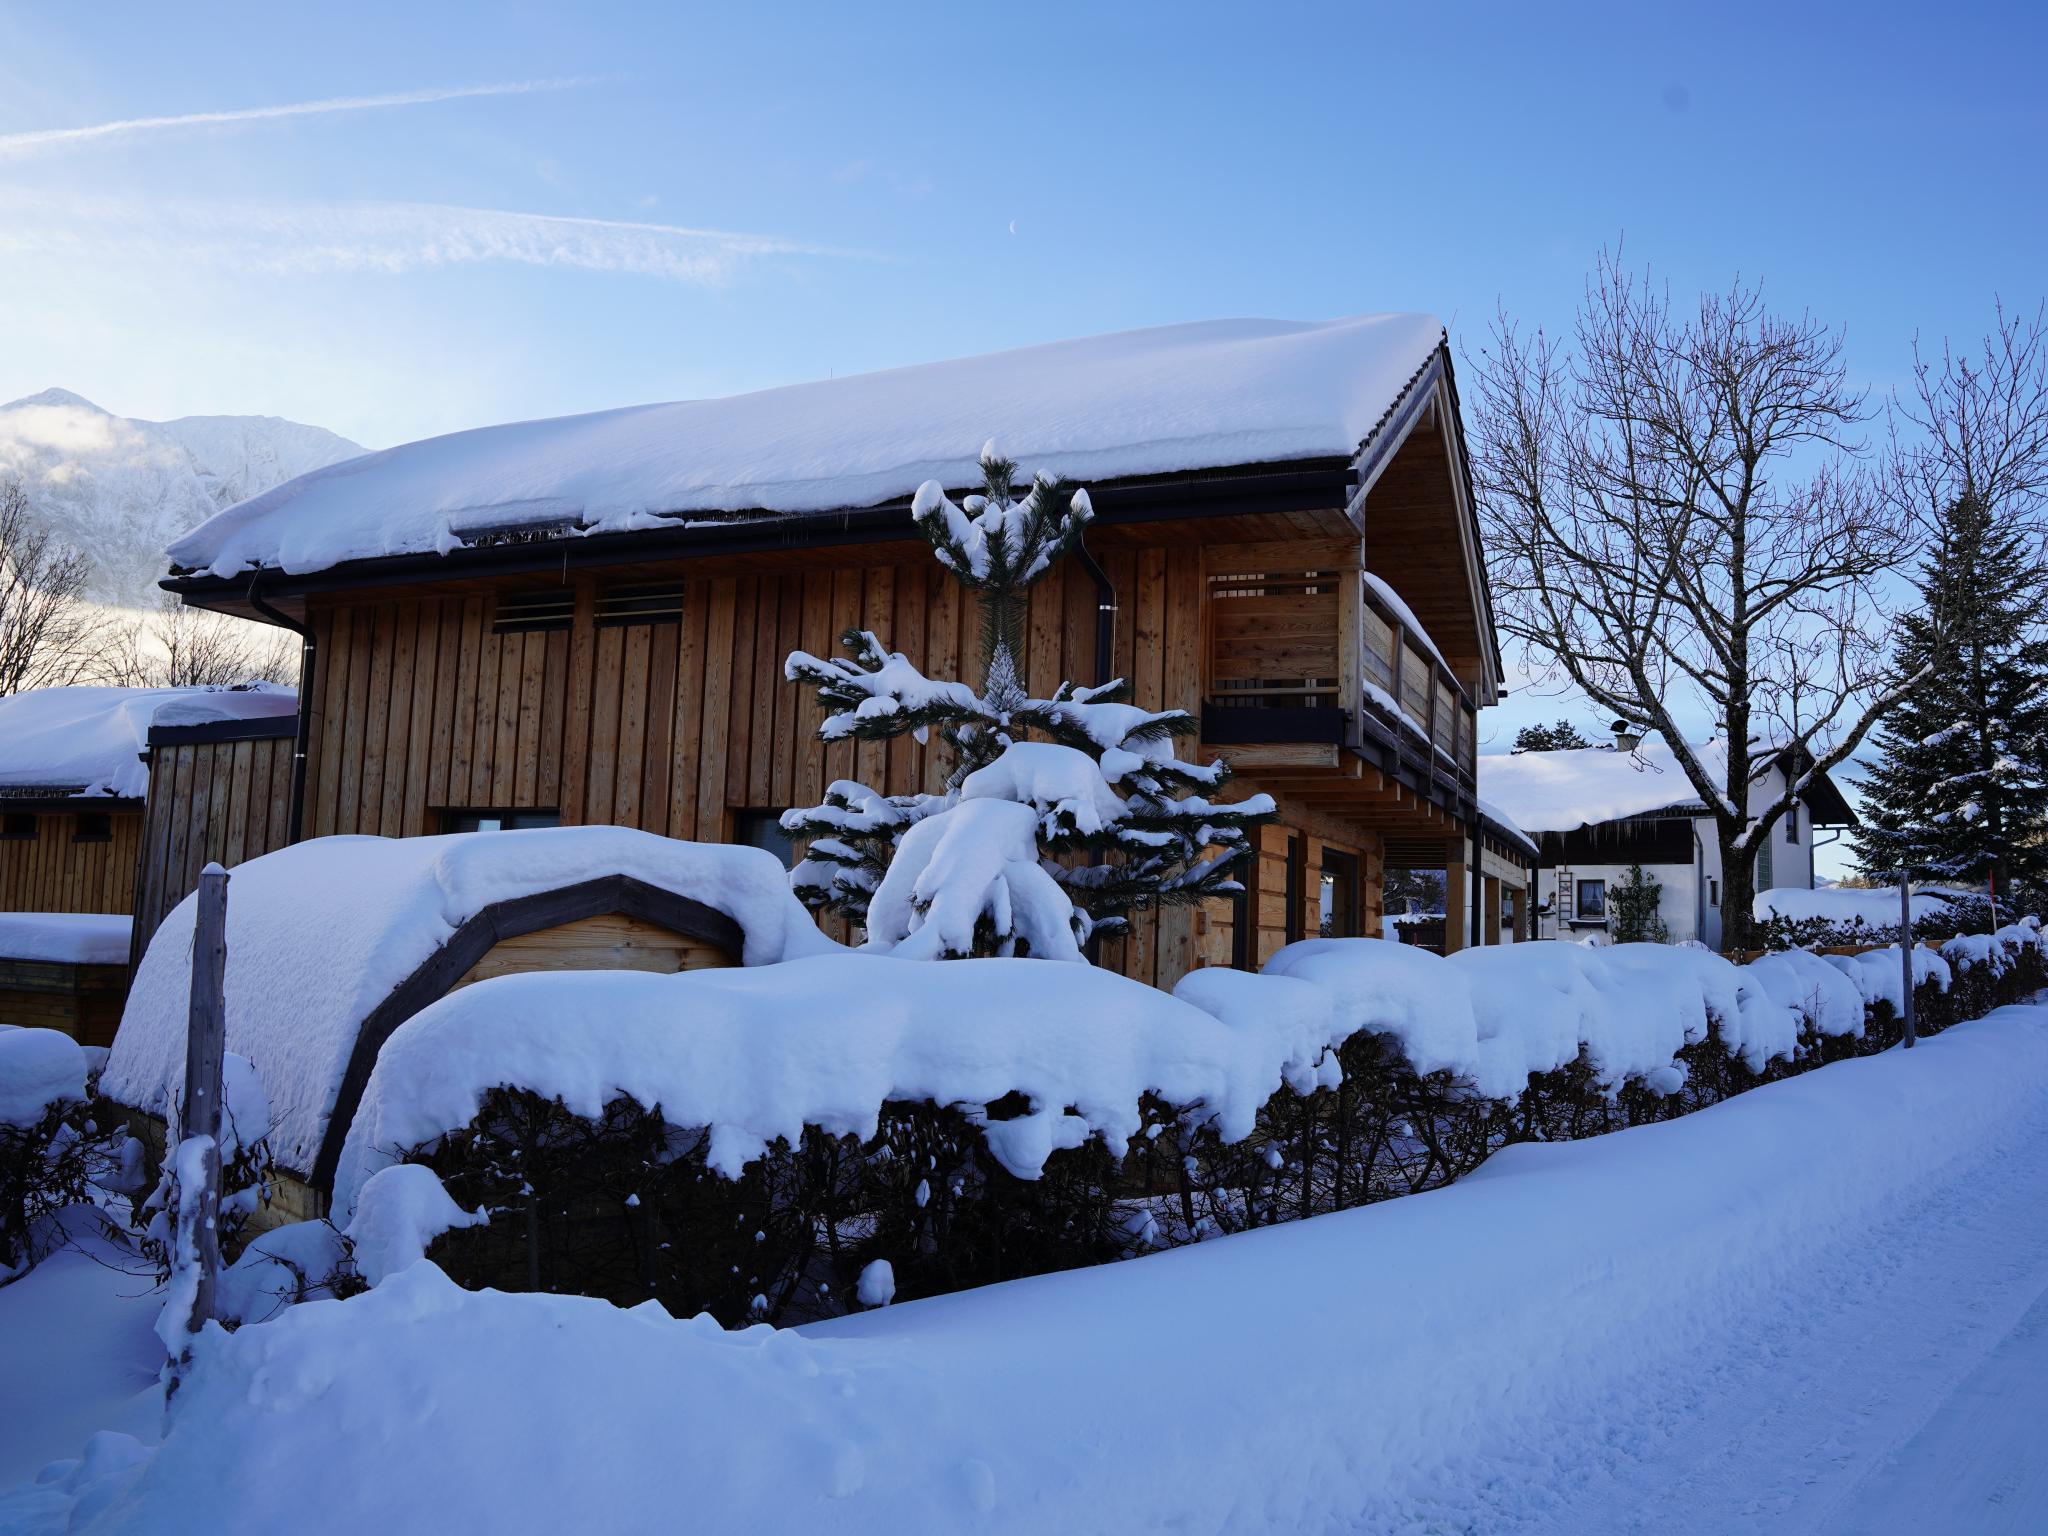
(1632, 904)
(1561, 737)
(1960, 788)
(987, 867)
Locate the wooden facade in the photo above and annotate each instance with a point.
(217, 794)
(636, 679)
(69, 856)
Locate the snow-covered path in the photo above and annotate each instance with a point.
(1907, 1392)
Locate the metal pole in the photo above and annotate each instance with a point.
(1906, 953)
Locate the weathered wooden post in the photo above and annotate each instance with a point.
(1906, 953)
(205, 1042)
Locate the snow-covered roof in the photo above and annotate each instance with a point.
(66, 938)
(1563, 791)
(1507, 824)
(89, 741)
(1173, 398)
(321, 932)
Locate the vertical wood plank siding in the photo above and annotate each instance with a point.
(228, 801)
(677, 724)
(51, 873)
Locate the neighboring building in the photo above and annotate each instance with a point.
(73, 784)
(1595, 811)
(585, 620)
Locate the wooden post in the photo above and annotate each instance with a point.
(1351, 649)
(1489, 887)
(1455, 916)
(200, 1112)
(1906, 954)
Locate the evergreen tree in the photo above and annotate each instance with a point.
(1960, 789)
(1036, 845)
(1561, 737)
(1632, 909)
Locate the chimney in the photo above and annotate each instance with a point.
(1626, 737)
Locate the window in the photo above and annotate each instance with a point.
(1763, 866)
(763, 829)
(1792, 823)
(94, 827)
(1591, 906)
(1713, 891)
(498, 821)
(1338, 897)
(18, 827)
(639, 605)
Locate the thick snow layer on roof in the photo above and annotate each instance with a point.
(90, 740)
(1562, 791)
(66, 938)
(1183, 397)
(320, 933)
(1500, 818)
(1370, 1370)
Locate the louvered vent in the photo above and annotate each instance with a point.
(640, 605)
(525, 612)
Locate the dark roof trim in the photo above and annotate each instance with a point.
(263, 728)
(1304, 485)
(61, 799)
(474, 939)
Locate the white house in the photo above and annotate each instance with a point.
(1594, 811)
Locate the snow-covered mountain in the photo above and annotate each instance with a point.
(122, 489)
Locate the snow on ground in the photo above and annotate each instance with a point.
(1201, 396)
(319, 934)
(89, 741)
(70, 938)
(78, 1353)
(1788, 1310)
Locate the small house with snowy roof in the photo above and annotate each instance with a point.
(74, 780)
(584, 620)
(1596, 811)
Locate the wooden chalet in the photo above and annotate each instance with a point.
(496, 634)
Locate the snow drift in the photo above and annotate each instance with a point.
(1315, 1376)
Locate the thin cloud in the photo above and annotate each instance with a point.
(16, 146)
(389, 237)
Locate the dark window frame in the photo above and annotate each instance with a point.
(93, 827)
(1579, 912)
(20, 827)
(533, 817)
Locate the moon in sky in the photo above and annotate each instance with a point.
(1013, 226)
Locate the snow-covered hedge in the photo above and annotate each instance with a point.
(1841, 916)
(750, 1142)
(56, 1144)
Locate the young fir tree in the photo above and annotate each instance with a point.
(1561, 737)
(1632, 907)
(986, 867)
(1960, 789)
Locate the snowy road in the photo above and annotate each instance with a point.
(1904, 1391)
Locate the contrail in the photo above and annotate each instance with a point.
(17, 145)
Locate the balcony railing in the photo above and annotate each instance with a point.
(1329, 658)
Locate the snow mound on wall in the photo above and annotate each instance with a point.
(38, 1068)
(90, 740)
(66, 938)
(1877, 907)
(320, 933)
(1180, 397)
(1306, 1366)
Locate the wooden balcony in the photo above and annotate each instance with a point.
(1318, 679)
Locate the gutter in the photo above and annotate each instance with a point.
(309, 661)
(1105, 611)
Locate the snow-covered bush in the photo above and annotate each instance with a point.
(1841, 918)
(752, 1142)
(1036, 845)
(244, 1149)
(59, 1142)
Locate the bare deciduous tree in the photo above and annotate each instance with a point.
(49, 633)
(1977, 428)
(181, 647)
(1677, 512)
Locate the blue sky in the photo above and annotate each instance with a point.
(683, 200)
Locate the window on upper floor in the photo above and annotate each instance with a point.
(94, 827)
(498, 820)
(1792, 823)
(527, 612)
(18, 827)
